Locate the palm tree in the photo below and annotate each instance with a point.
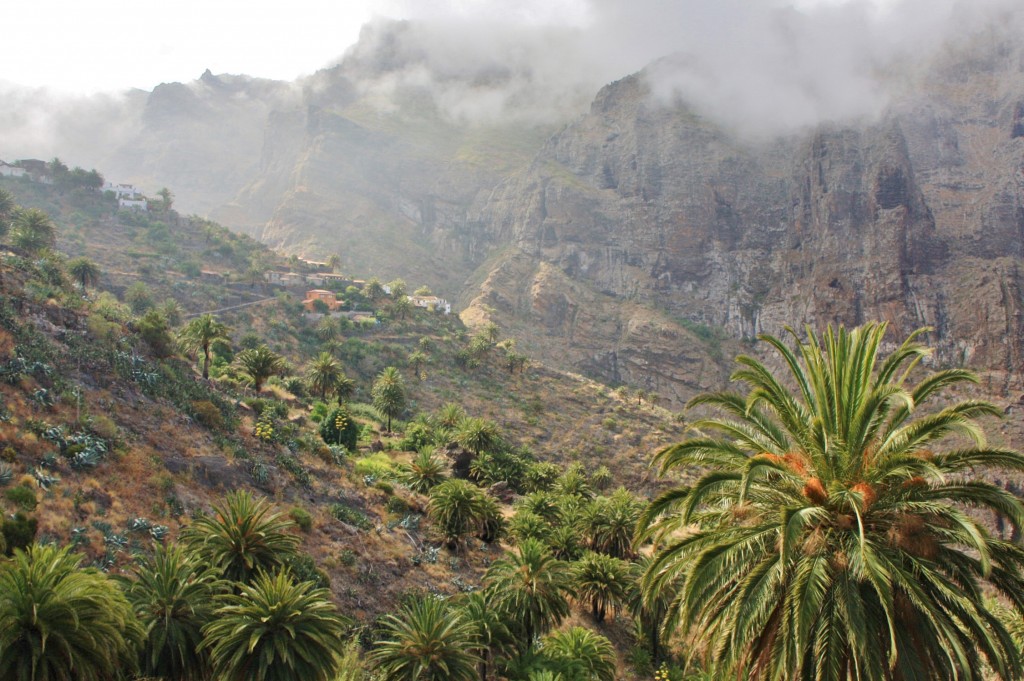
(173, 597)
(611, 523)
(573, 483)
(416, 361)
(649, 610)
(259, 364)
(401, 307)
(59, 621)
(424, 472)
(373, 290)
(491, 636)
(477, 434)
(530, 588)
(492, 520)
(580, 654)
(456, 507)
(602, 580)
(84, 271)
(398, 289)
(200, 334)
(242, 537)
(829, 537)
(327, 329)
(7, 207)
(389, 394)
(323, 374)
(334, 261)
(33, 231)
(427, 640)
(275, 630)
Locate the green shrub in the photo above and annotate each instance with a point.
(207, 414)
(304, 569)
(339, 428)
(24, 497)
(352, 516)
(396, 505)
(18, 532)
(378, 465)
(302, 518)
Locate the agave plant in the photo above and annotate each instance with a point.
(424, 472)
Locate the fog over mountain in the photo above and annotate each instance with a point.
(762, 67)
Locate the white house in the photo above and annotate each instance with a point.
(273, 277)
(292, 279)
(432, 303)
(7, 170)
(121, 190)
(133, 203)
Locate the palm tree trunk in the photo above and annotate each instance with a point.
(206, 362)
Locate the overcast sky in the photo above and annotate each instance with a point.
(81, 46)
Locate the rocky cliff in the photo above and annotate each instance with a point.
(915, 219)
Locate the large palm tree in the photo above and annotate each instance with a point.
(242, 537)
(84, 271)
(323, 374)
(200, 334)
(173, 597)
(611, 522)
(828, 538)
(530, 587)
(428, 640)
(478, 434)
(275, 630)
(602, 580)
(456, 507)
(59, 621)
(259, 364)
(491, 637)
(33, 231)
(389, 394)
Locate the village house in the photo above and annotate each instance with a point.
(273, 277)
(119, 190)
(315, 264)
(315, 279)
(133, 203)
(432, 303)
(7, 170)
(292, 279)
(327, 297)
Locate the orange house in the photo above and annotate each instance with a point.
(328, 298)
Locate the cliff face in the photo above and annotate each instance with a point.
(915, 219)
